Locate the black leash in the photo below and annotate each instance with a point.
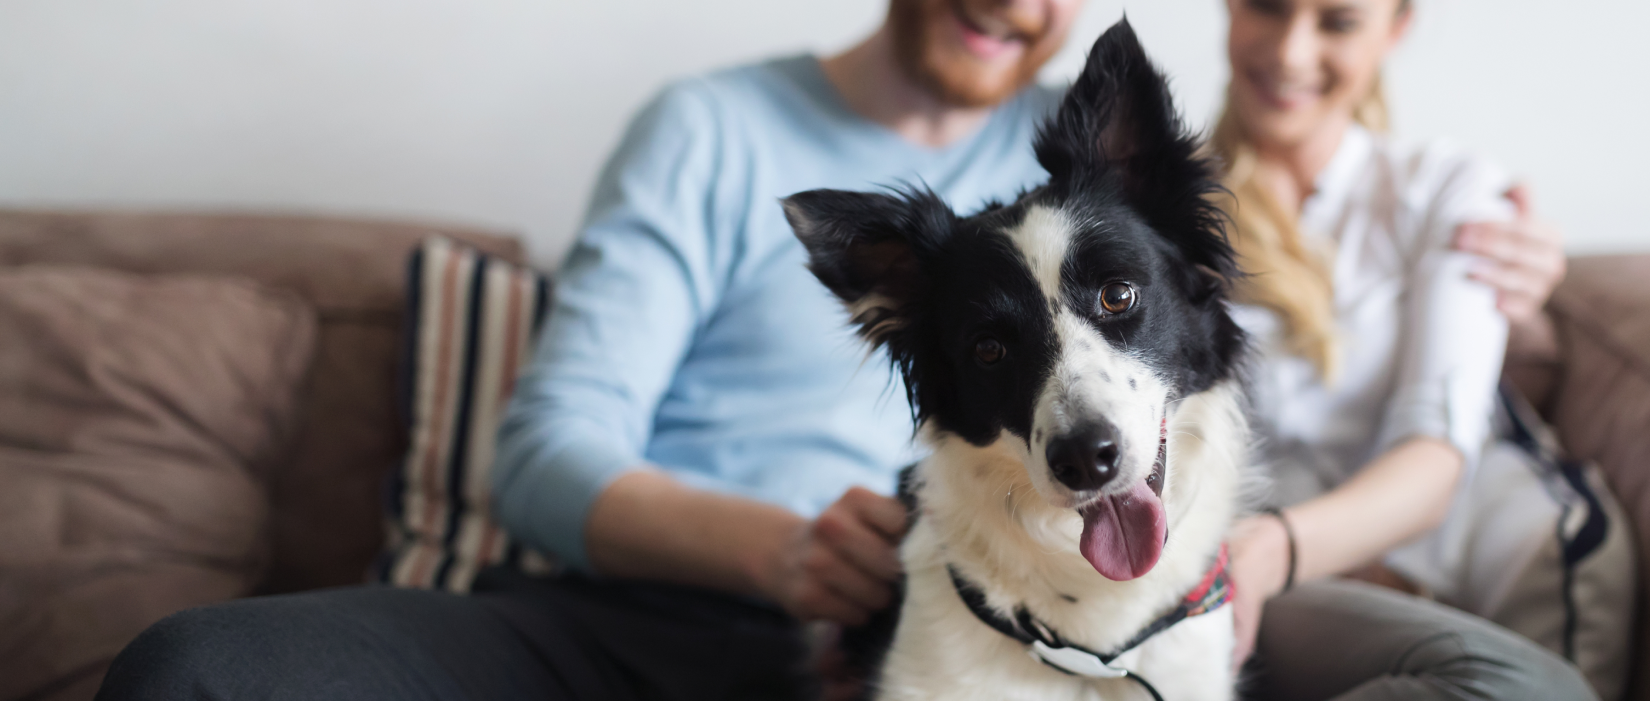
(1146, 685)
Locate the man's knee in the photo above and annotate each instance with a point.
(178, 657)
(351, 642)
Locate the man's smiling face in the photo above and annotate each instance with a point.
(977, 53)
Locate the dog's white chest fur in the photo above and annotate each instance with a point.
(981, 515)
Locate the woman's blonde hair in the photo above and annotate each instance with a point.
(1284, 274)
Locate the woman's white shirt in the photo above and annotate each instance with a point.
(1420, 343)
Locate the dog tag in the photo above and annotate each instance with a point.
(1074, 661)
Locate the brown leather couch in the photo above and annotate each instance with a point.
(323, 520)
(322, 526)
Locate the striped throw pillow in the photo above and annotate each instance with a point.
(471, 324)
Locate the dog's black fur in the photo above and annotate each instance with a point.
(1125, 171)
(1120, 162)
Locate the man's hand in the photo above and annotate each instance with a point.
(839, 567)
(1524, 258)
(842, 565)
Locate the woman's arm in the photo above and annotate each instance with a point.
(1398, 496)
(1401, 494)
(1434, 422)
(1432, 426)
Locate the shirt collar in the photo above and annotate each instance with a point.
(1337, 179)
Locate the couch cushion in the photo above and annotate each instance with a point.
(326, 501)
(1602, 404)
(139, 417)
(472, 322)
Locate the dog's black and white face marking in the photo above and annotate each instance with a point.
(1063, 324)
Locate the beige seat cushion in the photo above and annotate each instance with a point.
(139, 418)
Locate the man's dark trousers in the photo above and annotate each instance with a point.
(512, 638)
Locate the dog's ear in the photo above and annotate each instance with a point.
(1118, 118)
(1117, 129)
(869, 250)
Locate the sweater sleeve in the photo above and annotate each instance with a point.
(640, 280)
(1454, 338)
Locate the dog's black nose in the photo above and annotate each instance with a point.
(1085, 458)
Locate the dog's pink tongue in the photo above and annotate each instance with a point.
(1123, 534)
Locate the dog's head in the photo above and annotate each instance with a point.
(1065, 323)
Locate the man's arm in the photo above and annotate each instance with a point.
(629, 298)
(1524, 262)
(571, 477)
(839, 566)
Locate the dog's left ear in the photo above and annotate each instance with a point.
(1117, 127)
(1117, 119)
(869, 248)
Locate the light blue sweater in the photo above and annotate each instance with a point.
(686, 331)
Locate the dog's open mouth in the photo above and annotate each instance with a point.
(1123, 533)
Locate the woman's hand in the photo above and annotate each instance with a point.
(841, 566)
(1259, 548)
(1524, 258)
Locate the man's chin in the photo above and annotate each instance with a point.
(966, 86)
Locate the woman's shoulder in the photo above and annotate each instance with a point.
(1439, 183)
(1440, 173)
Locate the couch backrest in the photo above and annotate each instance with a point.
(1601, 397)
(326, 499)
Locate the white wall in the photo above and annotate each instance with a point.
(498, 112)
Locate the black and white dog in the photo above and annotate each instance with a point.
(1071, 363)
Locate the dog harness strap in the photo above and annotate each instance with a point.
(1211, 593)
(1046, 645)
(974, 598)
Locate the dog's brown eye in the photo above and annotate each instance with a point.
(1117, 297)
(989, 351)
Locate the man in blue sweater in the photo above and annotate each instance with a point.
(699, 439)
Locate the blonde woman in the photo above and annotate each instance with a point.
(1383, 276)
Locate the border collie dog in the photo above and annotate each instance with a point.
(1071, 363)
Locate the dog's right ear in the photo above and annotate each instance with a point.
(869, 250)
